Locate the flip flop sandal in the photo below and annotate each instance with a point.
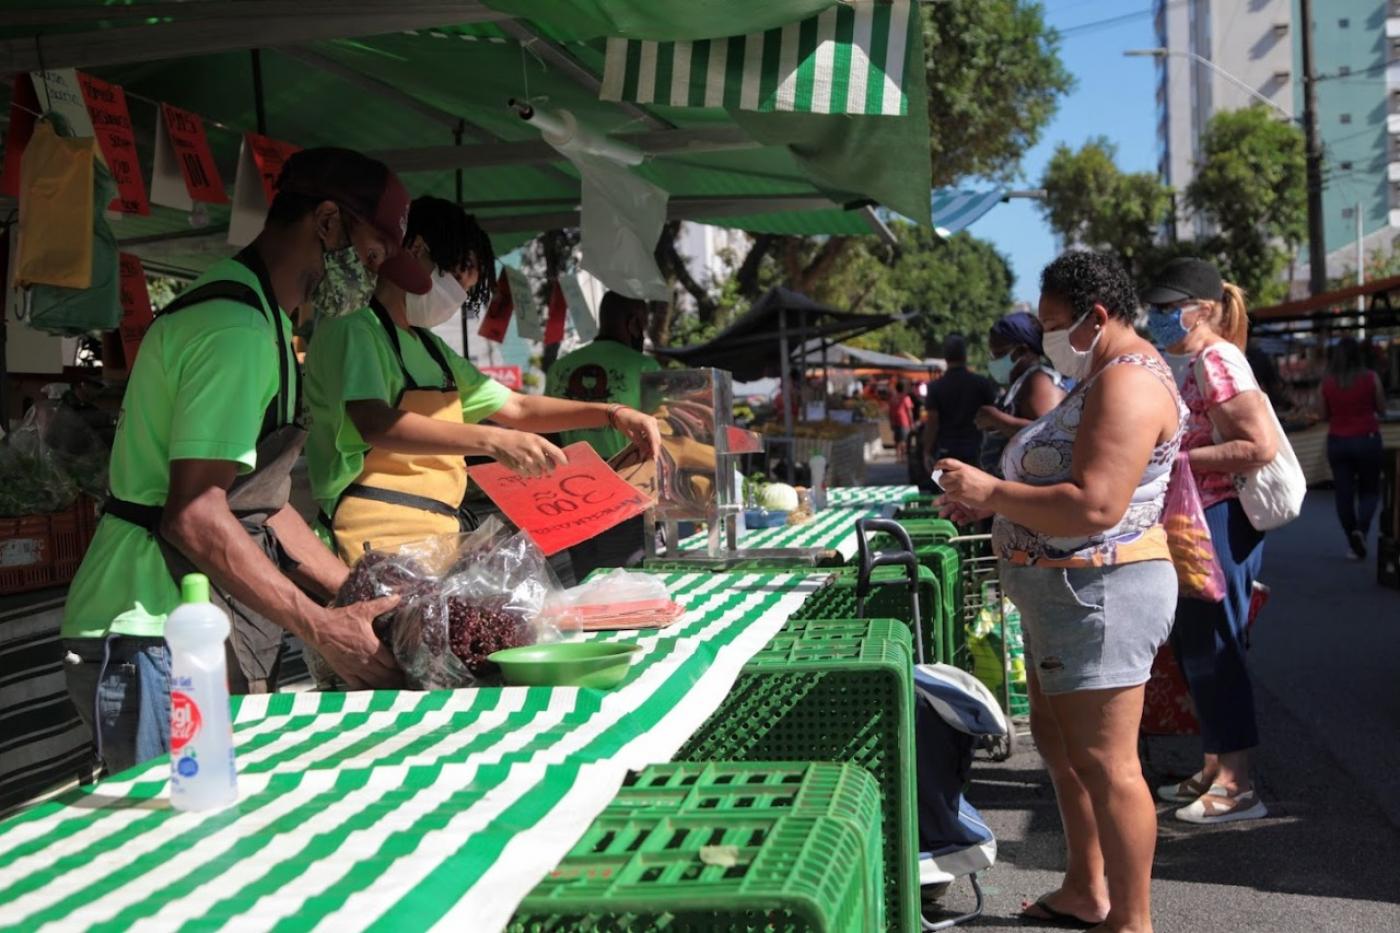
(1056, 918)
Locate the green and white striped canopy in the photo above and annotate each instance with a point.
(833, 528)
(848, 59)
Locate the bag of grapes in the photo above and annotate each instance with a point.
(462, 597)
(489, 595)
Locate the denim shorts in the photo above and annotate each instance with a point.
(1092, 628)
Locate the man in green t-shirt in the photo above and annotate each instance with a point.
(607, 370)
(201, 464)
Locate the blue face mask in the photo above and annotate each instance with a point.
(1000, 368)
(1165, 327)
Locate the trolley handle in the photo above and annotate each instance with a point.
(903, 557)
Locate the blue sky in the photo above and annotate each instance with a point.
(1113, 96)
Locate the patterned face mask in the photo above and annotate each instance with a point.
(347, 285)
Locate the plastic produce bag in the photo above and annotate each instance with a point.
(614, 600)
(462, 598)
(1198, 573)
(33, 478)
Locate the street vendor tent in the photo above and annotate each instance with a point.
(843, 356)
(787, 116)
(752, 347)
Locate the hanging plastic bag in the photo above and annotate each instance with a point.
(1198, 573)
(32, 478)
(56, 201)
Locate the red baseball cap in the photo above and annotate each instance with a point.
(367, 189)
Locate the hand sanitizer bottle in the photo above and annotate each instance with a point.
(202, 773)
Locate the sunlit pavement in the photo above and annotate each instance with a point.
(1325, 657)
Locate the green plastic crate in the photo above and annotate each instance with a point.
(648, 870)
(817, 692)
(837, 600)
(806, 788)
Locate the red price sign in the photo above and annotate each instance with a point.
(111, 123)
(558, 310)
(508, 376)
(269, 156)
(567, 507)
(186, 133)
(496, 320)
(136, 307)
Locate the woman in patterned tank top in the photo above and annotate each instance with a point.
(1084, 556)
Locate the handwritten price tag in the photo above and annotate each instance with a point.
(185, 131)
(136, 306)
(569, 506)
(496, 321)
(106, 104)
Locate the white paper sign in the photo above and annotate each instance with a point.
(816, 411)
(249, 209)
(167, 181)
(60, 92)
(582, 310)
(523, 296)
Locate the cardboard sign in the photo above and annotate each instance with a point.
(136, 306)
(184, 170)
(23, 107)
(508, 376)
(580, 308)
(59, 91)
(111, 122)
(558, 308)
(527, 313)
(260, 160)
(496, 321)
(569, 506)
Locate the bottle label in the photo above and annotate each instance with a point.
(184, 719)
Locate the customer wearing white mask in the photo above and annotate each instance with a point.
(395, 411)
(1083, 554)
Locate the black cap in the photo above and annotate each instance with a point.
(1183, 279)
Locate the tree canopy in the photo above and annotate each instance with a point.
(1251, 186)
(1091, 202)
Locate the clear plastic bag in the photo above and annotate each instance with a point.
(462, 598)
(614, 600)
(33, 480)
(1198, 573)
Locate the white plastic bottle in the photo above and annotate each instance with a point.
(202, 772)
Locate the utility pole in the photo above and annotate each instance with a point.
(1317, 250)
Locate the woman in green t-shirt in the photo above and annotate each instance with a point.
(394, 410)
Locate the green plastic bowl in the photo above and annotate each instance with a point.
(566, 664)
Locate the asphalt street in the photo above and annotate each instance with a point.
(1327, 858)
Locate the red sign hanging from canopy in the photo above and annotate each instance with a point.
(111, 124)
(136, 306)
(186, 133)
(269, 155)
(496, 321)
(558, 311)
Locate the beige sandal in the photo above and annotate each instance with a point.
(1188, 791)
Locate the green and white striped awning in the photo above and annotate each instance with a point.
(849, 59)
(833, 528)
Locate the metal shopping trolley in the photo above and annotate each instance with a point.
(954, 713)
(981, 596)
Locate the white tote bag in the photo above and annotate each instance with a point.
(1271, 496)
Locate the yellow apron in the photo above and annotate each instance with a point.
(399, 498)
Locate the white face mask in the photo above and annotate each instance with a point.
(1064, 357)
(443, 300)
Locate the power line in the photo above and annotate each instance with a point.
(1111, 21)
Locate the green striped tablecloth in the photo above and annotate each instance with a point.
(386, 810)
(833, 527)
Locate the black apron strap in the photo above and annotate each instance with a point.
(405, 499)
(449, 384)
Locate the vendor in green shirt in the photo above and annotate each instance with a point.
(201, 465)
(395, 411)
(608, 370)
